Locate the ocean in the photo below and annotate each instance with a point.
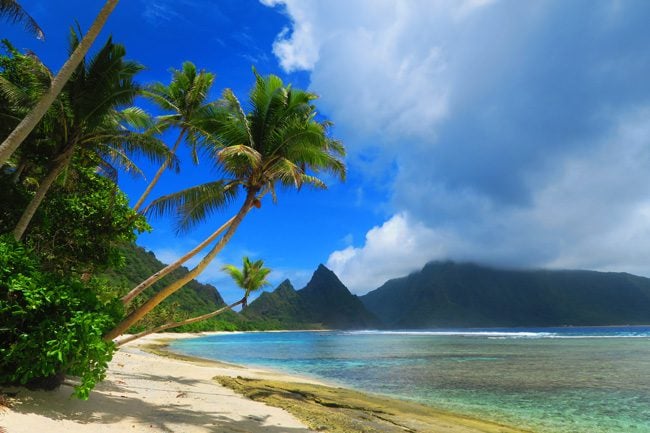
(548, 380)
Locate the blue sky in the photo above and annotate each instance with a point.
(512, 133)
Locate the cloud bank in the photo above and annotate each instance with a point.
(516, 133)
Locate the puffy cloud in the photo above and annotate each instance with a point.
(513, 133)
(397, 247)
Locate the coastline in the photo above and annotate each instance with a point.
(150, 389)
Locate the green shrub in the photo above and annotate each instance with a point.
(51, 325)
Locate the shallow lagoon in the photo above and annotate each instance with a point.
(551, 380)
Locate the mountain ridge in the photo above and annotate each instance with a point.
(467, 294)
(324, 302)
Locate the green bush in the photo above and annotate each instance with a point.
(51, 325)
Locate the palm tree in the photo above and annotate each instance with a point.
(185, 101)
(24, 78)
(27, 125)
(279, 141)
(250, 278)
(13, 11)
(90, 125)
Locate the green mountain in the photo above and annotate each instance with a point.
(323, 303)
(447, 294)
(281, 309)
(192, 300)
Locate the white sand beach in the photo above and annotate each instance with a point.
(148, 393)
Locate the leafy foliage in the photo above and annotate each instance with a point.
(80, 225)
(51, 324)
(54, 311)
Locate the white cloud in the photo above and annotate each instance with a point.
(397, 247)
(511, 133)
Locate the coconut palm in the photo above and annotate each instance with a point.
(185, 101)
(14, 12)
(24, 78)
(27, 125)
(278, 142)
(90, 124)
(250, 278)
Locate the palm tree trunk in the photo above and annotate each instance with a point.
(156, 299)
(159, 173)
(25, 127)
(171, 325)
(59, 164)
(126, 299)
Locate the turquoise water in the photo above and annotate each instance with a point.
(565, 380)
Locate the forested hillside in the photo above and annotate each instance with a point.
(447, 294)
(192, 300)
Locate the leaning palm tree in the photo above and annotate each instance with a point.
(250, 278)
(91, 125)
(27, 125)
(14, 12)
(185, 101)
(278, 142)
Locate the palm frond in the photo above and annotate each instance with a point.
(120, 159)
(13, 11)
(137, 118)
(234, 273)
(197, 209)
(239, 158)
(107, 169)
(238, 121)
(159, 94)
(13, 94)
(192, 205)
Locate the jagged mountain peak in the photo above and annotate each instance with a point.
(324, 302)
(285, 286)
(325, 281)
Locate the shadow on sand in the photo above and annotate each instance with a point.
(111, 403)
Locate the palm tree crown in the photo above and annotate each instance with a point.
(250, 278)
(278, 142)
(184, 100)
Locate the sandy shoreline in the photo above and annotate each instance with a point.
(147, 392)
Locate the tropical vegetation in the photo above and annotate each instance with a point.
(251, 278)
(278, 142)
(36, 113)
(71, 277)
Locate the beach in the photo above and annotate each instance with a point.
(149, 389)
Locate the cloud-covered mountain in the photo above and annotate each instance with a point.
(447, 294)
